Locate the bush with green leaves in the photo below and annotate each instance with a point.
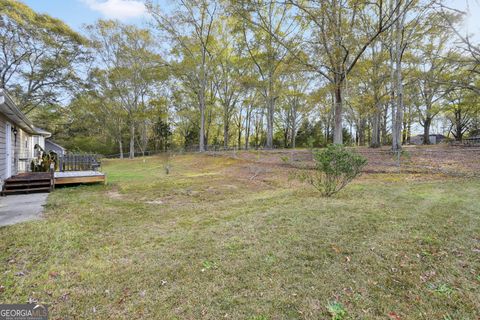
(335, 167)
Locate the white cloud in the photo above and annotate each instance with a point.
(117, 9)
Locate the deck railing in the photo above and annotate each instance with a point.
(78, 162)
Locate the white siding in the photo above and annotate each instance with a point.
(3, 151)
(23, 150)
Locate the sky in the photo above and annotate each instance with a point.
(78, 12)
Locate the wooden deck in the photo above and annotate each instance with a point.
(76, 177)
(42, 181)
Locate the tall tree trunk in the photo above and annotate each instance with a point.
(239, 137)
(459, 127)
(201, 144)
(247, 126)
(293, 137)
(361, 131)
(120, 147)
(393, 88)
(270, 113)
(426, 130)
(203, 87)
(409, 129)
(132, 141)
(397, 137)
(376, 121)
(397, 125)
(384, 139)
(225, 131)
(338, 130)
(260, 131)
(376, 124)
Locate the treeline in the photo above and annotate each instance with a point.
(250, 74)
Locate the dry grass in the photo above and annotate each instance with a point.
(208, 241)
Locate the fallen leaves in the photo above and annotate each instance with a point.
(427, 276)
(392, 315)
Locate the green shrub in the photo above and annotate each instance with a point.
(335, 167)
(336, 310)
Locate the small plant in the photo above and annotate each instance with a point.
(285, 159)
(335, 167)
(167, 165)
(336, 310)
(443, 289)
(207, 265)
(42, 162)
(167, 168)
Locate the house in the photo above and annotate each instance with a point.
(18, 141)
(52, 146)
(473, 140)
(434, 139)
(18, 137)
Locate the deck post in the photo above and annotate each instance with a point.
(52, 176)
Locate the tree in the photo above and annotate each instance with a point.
(467, 45)
(343, 30)
(39, 56)
(435, 64)
(262, 23)
(190, 28)
(295, 105)
(94, 114)
(131, 69)
(461, 111)
(228, 75)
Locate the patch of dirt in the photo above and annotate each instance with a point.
(114, 194)
(190, 192)
(158, 201)
(230, 186)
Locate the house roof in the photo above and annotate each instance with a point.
(48, 141)
(12, 113)
(473, 137)
(432, 135)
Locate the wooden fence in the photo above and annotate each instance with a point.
(78, 162)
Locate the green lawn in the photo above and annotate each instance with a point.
(209, 242)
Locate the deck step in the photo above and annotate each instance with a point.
(26, 180)
(27, 190)
(27, 183)
(26, 187)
